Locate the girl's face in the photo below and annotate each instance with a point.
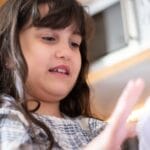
(54, 61)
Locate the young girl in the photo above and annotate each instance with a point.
(44, 96)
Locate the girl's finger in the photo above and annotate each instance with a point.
(128, 99)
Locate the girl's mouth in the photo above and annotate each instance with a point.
(62, 69)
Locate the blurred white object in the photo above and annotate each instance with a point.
(143, 127)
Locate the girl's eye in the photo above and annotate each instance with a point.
(48, 38)
(75, 45)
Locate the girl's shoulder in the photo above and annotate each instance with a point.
(13, 129)
(12, 117)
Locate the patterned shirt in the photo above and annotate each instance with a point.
(68, 133)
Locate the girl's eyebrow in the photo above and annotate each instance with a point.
(77, 32)
(43, 28)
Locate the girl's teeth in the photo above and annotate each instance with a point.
(60, 70)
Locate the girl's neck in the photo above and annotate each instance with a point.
(46, 108)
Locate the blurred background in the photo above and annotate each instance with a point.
(119, 51)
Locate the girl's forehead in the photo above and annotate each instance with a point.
(43, 9)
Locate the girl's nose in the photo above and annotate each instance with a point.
(63, 51)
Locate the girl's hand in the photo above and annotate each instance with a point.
(118, 129)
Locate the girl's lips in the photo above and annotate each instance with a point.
(62, 69)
